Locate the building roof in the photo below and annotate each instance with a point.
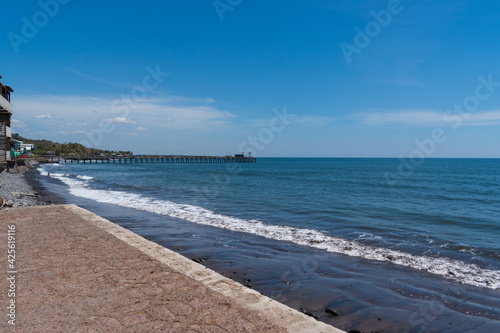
(8, 88)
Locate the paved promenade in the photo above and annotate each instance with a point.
(77, 272)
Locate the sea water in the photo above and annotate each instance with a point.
(440, 217)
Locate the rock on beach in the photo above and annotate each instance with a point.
(17, 190)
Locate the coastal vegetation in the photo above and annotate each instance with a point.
(43, 147)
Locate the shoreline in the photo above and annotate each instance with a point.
(277, 313)
(348, 284)
(45, 196)
(123, 282)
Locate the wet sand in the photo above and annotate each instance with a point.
(46, 197)
(369, 296)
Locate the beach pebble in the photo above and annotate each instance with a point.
(16, 190)
(199, 260)
(332, 312)
(247, 283)
(308, 313)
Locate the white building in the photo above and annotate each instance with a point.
(27, 148)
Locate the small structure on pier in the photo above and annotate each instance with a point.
(5, 125)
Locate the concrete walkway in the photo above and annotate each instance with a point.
(77, 272)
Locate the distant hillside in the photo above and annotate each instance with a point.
(68, 149)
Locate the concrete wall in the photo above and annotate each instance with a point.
(5, 105)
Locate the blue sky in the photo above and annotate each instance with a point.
(283, 78)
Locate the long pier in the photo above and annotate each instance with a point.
(157, 159)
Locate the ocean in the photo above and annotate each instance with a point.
(389, 247)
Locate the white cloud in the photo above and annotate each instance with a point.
(18, 123)
(98, 79)
(185, 101)
(205, 118)
(180, 113)
(121, 120)
(484, 118)
(427, 117)
(315, 121)
(141, 129)
(44, 116)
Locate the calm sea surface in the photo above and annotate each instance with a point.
(440, 219)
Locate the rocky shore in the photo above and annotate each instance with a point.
(23, 189)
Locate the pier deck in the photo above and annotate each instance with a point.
(155, 159)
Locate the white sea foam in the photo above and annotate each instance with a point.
(368, 236)
(84, 177)
(452, 269)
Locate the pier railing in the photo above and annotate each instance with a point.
(157, 159)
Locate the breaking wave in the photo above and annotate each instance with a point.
(449, 268)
